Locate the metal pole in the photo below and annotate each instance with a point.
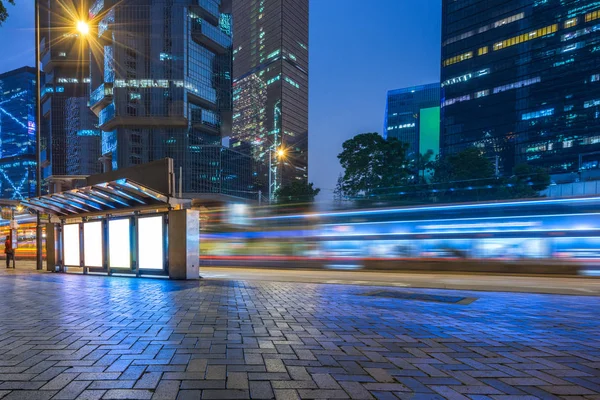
(270, 173)
(180, 182)
(38, 147)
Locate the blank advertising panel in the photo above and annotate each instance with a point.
(92, 244)
(71, 245)
(150, 243)
(119, 247)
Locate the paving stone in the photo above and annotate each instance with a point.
(356, 390)
(236, 339)
(133, 394)
(261, 390)
(72, 390)
(237, 380)
(227, 394)
(286, 394)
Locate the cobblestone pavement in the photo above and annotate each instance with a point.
(66, 337)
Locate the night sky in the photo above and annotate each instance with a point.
(358, 51)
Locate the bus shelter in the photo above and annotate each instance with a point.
(120, 227)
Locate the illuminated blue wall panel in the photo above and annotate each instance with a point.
(17, 134)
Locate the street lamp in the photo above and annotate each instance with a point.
(84, 29)
(280, 153)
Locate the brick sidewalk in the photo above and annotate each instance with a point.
(67, 337)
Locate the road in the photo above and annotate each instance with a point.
(499, 283)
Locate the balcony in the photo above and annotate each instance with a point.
(205, 120)
(106, 115)
(210, 36)
(101, 97)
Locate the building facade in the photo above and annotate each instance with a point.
(521, 81)
(270, 89)
(17, 134)
(65, 59)
(412, 115)
(161, 87)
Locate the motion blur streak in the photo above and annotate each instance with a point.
(540, 232)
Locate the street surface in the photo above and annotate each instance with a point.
(68, 336)
(432, 280)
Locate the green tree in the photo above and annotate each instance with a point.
(465, 176)
(372, 165)
(297, 192)
(527, 181)
(338, 194)
(423, 162)
(468, 165)
(3, 10)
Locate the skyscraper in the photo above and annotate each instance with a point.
(270, 71)
(412, 116)
(17, 133)
(65, 91)
(161, 86)
(521, 81)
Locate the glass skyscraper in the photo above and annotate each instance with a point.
(412, 116)
(17, 133)
(270, 90)
(65, 92)
(162, 87)
(521, 81)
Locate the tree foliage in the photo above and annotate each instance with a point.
(372, 164)
(377, 170)
(3, 10)
(297, 192)
(338, 194)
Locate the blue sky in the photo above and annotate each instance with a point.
(358, 51)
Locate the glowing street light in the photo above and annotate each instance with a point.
(280, 153)
(83, 27)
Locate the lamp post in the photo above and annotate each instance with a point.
(280, 154)
(84, 29)
(38, 147)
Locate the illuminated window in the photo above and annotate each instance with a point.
(592, 16)
(482, 51)
(537, 114)
(517, 85)
(273, 80)
(458, 58)
(570, 22)
(482, 93)
(591, 103)
(526, 37)
(291, 82)
(595, 78)
(485, 28)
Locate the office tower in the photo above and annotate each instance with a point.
(412, 116)
(161, 86)
(17, 133)
(270, 71)
(521, 80)
(64, 53)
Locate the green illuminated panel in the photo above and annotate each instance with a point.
(429, 130)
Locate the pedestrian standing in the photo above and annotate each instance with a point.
(9, 252)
